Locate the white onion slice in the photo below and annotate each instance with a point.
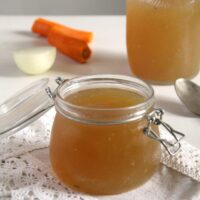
(35, 60)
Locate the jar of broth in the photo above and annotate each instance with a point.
(105, 137)
(163, 40)
(98, 145)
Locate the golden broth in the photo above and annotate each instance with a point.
(163, 39)
(103, 159)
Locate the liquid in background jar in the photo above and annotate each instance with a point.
(163, 39)
(103, 159)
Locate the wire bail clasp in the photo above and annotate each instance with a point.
(172, 144)
(59, 80)
(48, 90)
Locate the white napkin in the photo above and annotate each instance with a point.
(27, 175)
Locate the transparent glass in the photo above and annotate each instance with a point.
(24, 107)
(103, 150)
(163, 40)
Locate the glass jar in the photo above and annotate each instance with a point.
(102, 150)
(105, 137)
(163, 40)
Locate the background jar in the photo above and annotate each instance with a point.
(163, 40)
(103, 151)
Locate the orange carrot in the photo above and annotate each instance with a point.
(72, 47)
(43, 26)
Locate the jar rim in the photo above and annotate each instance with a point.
(105, 76)
(61, 104)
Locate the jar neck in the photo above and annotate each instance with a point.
(103, 116)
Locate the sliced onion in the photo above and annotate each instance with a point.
(35, 60)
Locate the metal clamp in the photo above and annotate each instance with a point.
(59, 80)
(171, 145)
(51, 94)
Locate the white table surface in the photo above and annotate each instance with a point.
(109, 56)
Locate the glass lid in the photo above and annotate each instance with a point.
(24, 107)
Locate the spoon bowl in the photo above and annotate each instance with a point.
(189, 94)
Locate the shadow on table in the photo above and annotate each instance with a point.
(101, 62)
(25, 33)
(174, 107)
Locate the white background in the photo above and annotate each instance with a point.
(62, 7)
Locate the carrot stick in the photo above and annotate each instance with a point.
(43, 26)
(76, 49)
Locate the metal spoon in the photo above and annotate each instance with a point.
(189, 93)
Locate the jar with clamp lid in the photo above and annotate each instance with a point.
(105, 137)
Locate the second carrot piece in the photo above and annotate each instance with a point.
(76, 49)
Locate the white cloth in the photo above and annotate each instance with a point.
(26, 173)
